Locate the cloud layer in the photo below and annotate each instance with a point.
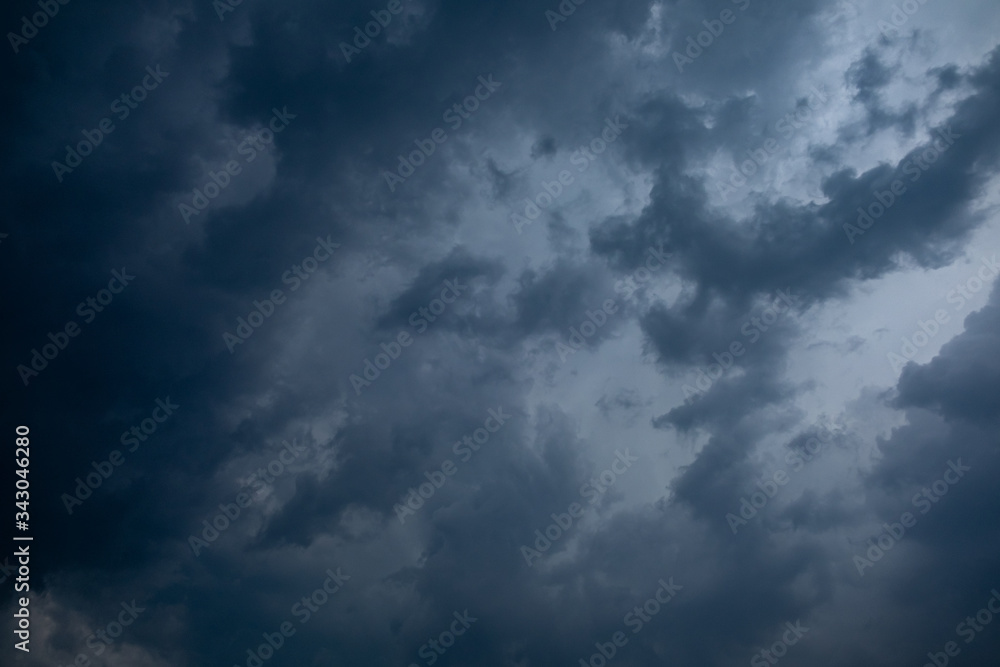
(505, 333)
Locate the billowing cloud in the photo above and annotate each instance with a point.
(431, 332)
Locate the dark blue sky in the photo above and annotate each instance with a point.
(453, 333)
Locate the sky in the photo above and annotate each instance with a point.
(420, 332)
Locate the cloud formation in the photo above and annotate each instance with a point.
(669, 387)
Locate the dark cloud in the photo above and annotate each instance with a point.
(961, 382)
(480, 406)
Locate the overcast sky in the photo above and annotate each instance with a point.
(521, 334)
